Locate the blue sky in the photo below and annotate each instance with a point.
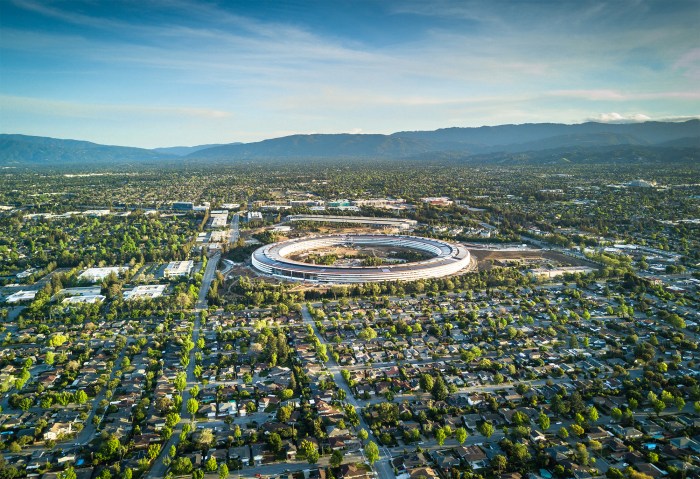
(181, 72)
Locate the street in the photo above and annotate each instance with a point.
(158, 470)
(383, 466)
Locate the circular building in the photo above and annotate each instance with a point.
(444, 259)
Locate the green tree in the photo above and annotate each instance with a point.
(372, 452)
(153, 451)
(426, 382)
(658, 406)
(440, 391)
(284, 413)
(181, 465)
(275, 442)
(520, 452)
(544, 421)
(581, 454)
(81, 396)
(487, 429)
(310, 451)
(461, 435)
(336, 458)
(616, 413)
(192, 407)
(440, 436)
(210, 465)
(499, 463)
(25, 404)
(593, 414)
(679, 402)
(223, 471)
(68, 473)
(172, 419)
(362, 434)
(180, 381)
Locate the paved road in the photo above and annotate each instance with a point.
(158, 470)
(207, 278)
(234, 229)
(383, 466)
(88, 432)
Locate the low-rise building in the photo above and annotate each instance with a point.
(178, 268)
(148, 291)
(94, 275)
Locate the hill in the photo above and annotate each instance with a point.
(465, 144)
(463, 141)
(185, 150)
(23, 150)
(320, 146)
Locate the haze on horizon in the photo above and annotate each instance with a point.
(182, 72)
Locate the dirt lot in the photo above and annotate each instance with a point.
(489, 258)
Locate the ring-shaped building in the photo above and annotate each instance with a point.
(447, 258)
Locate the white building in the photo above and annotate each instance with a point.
(84, 299)
(555, 272)
(148, 291)
(80, 291)
(254, 216)
(437, 200)
(178, 268)
(20, 296)
(219, 218)
(95, 275)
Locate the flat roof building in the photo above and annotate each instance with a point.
(254, 216)
(84, 299)
(178, 268)
(555, 272)
(95, 275)
(20, 296)
(219, 218)
(80, 291)
(400, 223)
(148, 291)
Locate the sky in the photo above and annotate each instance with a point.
(160, 73)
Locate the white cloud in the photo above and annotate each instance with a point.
(614, 117)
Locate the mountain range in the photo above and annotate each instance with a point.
(485, 142)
